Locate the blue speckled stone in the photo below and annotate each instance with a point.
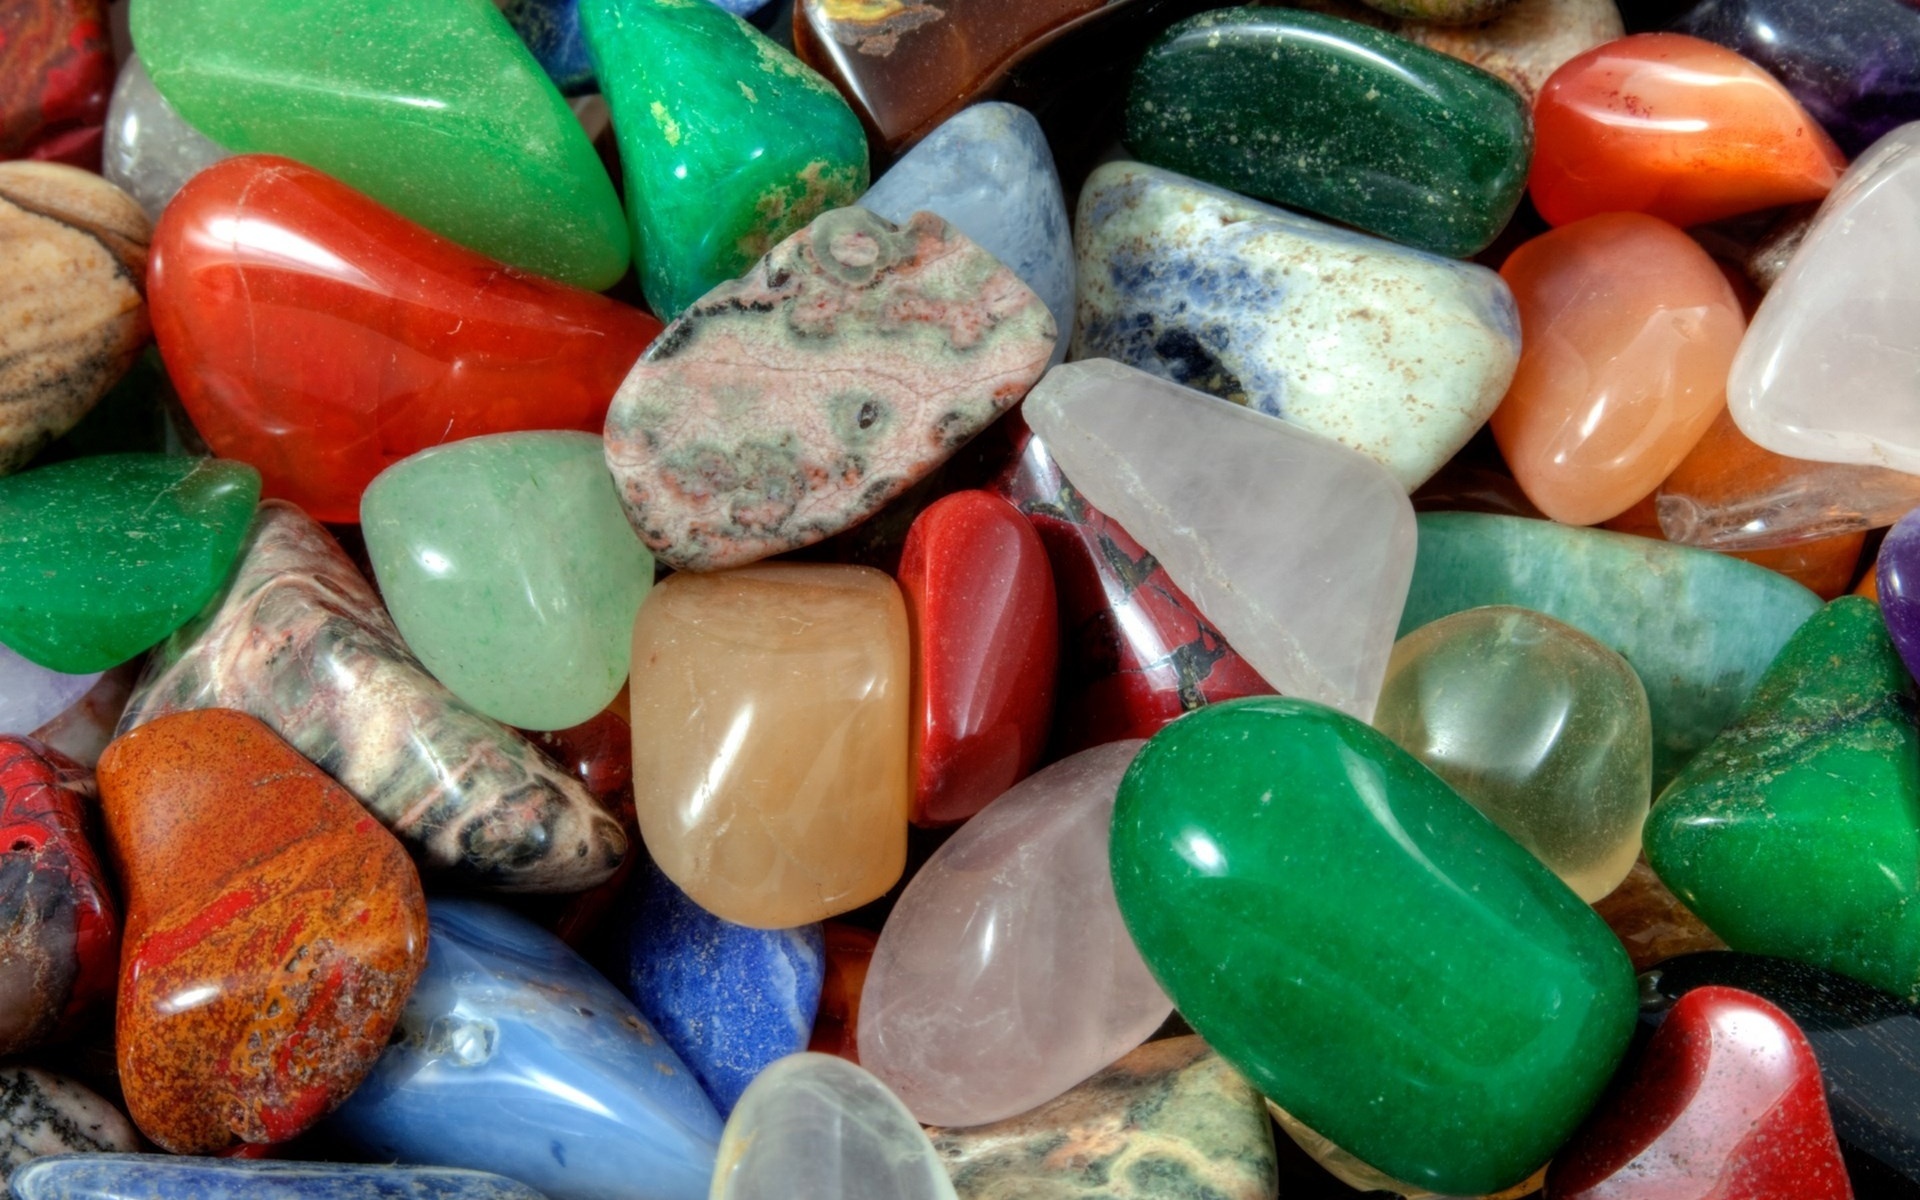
(515, 1056)
(159, 1177)
(551, 29)
(988, 171)
(729, 999)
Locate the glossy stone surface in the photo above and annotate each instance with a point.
(795, 402)
(1360, 1177)
(986, 645)
(729, 1000)
(273, 931)
(1336, 118)
(102, 557)
(501, 167)
(551, 30)
(1525, 42)
(728, 143)
(72, 314)
(511, 571)
(988, 172)
(150, 150)
(1004, 975)
(83, 730)
(1698, 628)
(816, 1125)
(1726, 1104)
(1629, 329)
(132, 1177)
(300, 641)
(42, 1113)
(1536, 725)
(1824, 566)
(1826, 370)
(1797, 832)
(1170, 1121)
(849, 955)
(1525, 1000)
(1897, 587)
(1674, 127)
(31, 695)
(59, 925)
(1184, 473)
(770, 738)
(377, 340)
(56, 65)
(1258, 306)
(1650, 921)
(515, 1056)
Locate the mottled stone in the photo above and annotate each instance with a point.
(42, 1113)
(150, 1176)
(56, 64)
(150, 150)
(793, 403)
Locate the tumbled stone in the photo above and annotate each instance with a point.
(1398, 354)
(43, 1114)
(551, 30)
(795, 402)
(84, 729)
(1443, 12)
(1824, 566)
(150, 149)
(31, 695)
(1361, 1177)
(1525, 42)
(836, 1026)
(124, 1176)
(56, 64)
(1650, 921)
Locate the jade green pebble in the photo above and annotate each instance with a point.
(728, 142)
(1374, 954)
(512, 572)
(1335, 118)
(100, 558)
(432, 107)
(1797, 832)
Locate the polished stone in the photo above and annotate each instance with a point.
(849, 954)
(145, 1176)
(1362, 1177)
(84, 729)
(551, 30)
(1525, 43)
(43, 1114)
(1824, 566)
(31, 695)
(1897, 587)
(150, 149)
(1650, 921)
(56, 64)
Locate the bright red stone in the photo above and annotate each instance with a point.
(322, 338)
(1726, 1104)
(56, 75)
(986, 644)
(849, 954)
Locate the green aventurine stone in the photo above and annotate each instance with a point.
(1338, 119)
(1698, 627)
(102, 557)
(1797, 832)
(728, 143)
(512, 572)
(1377, 956)
(432, 107)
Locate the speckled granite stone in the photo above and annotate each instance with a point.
(42, 1113)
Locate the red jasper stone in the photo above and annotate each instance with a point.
(1726, 1104)
(849, 954)
(59, 932)
(56, 75)
(986, 643)
(322, 338)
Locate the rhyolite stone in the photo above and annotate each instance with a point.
(1408, 980)
(1396, 353)
(1698, 628)
(1796, 833)
(987, 171)
(102, 557)
(44, 1114)
(300, 640)
(150, 150)
(435, 110)
(1336, 118)
(816, 1125)
(551, 29)
(1170, 1121)
(730, 1000)
(795, 402)
(1311, 603)
(129, 1176)
(514, 1056)
(56, 65)
(510, 569)
(31, 695)
(728, 142)
(1004, 975)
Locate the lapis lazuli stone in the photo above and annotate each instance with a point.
(160, 1177)
(551, 29)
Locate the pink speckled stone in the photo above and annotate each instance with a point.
(794, 402)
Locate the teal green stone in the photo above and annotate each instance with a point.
(1374, 954)
(434, 108)
(1335, 118)
(728, 142)
(511, 570)
(1699, 628)
(100, 558)
(1797, 832)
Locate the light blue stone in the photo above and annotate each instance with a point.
(551, 29)
(515, 1056)
(988, 171)
(160, 1177)
(729, 999)
(742, 8)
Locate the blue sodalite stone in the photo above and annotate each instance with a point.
(988, 171)
(551, 29)
(515, 1056)
(161, 1177)
(729, 999)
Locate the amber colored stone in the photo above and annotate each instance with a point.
(1869, 585)
(273, 932)
(1650, 921)
(1824, 566)
(849, 954)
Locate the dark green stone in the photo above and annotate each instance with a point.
(1338, 119)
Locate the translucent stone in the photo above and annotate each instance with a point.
(31, 695)
(150, 149)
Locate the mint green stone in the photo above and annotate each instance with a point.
(727, 141)
(1373, 953)
(102, 557)
(1698, 627)
(512, 572)
(432, 107)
